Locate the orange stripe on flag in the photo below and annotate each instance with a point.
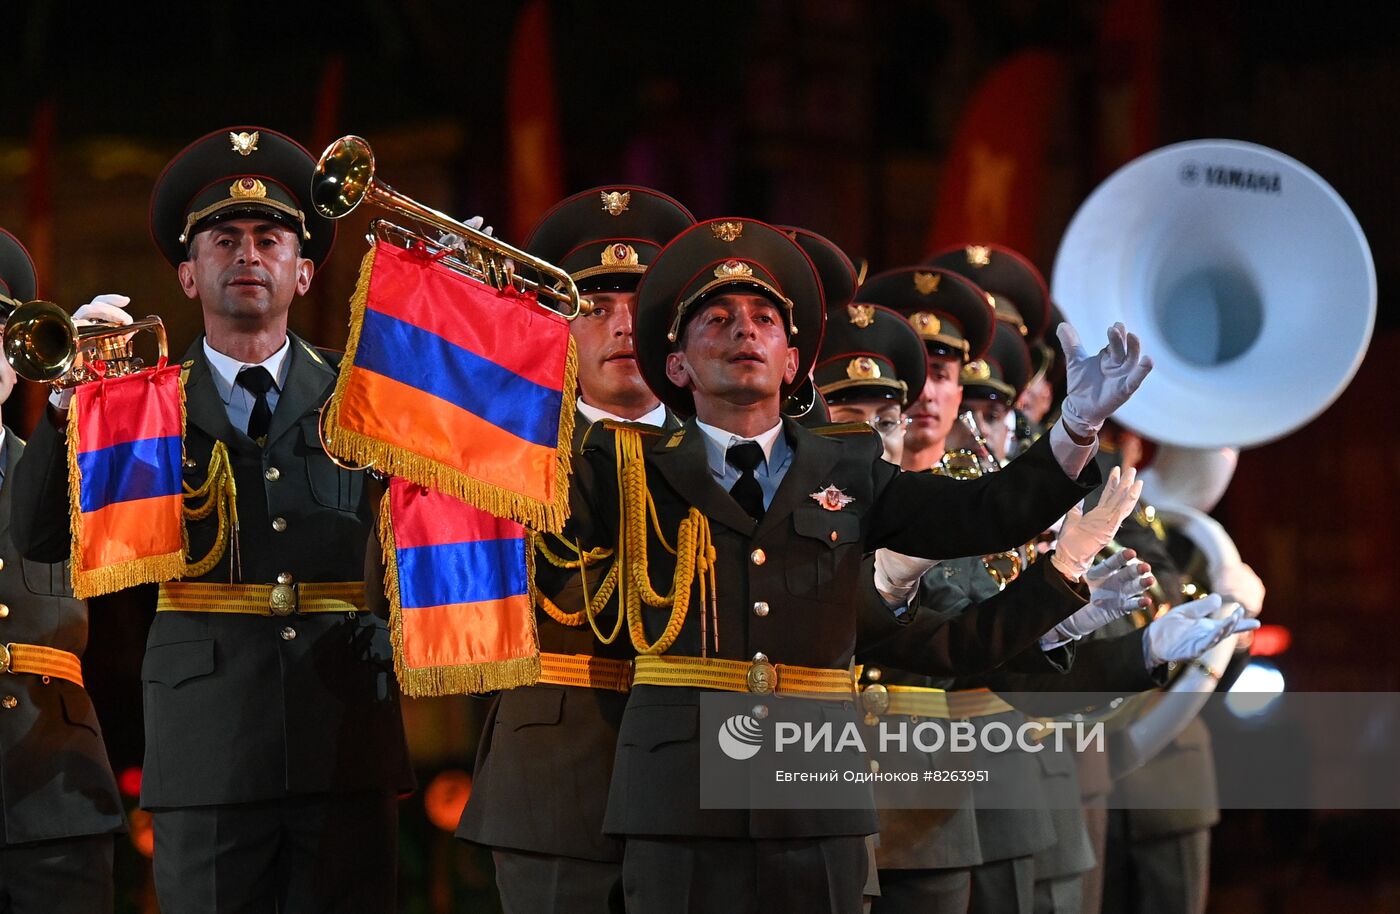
(130, 530)
(461, 633)
(440, 430)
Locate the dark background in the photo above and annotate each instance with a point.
(833, 114)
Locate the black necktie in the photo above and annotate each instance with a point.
(257, 380)
(747, 492)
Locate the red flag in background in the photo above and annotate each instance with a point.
(993, 180)
(1128, 82)
(532, 122)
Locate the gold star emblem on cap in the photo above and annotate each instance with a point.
(733, 269)
(927, 324)
(245, 144)
(863, 368)
(615, 201)
(926, 283)
(727, 231)
(976, 370)
(247, 188)
(861, 315)
(978, 255)
(619, 255)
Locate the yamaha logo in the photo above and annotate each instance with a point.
(1259, 182)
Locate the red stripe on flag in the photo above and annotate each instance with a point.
(438, 430)
(512, 332)
(423, 517)
(131, 530)
(133, 408)
(462, 633)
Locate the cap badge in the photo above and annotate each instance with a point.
(727, 231)
(615, 202)
(863, 368)
(976, 370)
(926, 323)
(926, 283)
(733, 269)
(619, 255)
(831, 498)
(245, 144)
(978, 255)
(861, 315)
(250, 188)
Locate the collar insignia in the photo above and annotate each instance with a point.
(245, 144)
(831, 498)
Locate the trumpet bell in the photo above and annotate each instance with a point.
(40, 341)
(1247, 277)
(343, 177)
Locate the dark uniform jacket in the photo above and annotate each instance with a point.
(546, 753)
(55, 780)
(805, 562)
(241, 708)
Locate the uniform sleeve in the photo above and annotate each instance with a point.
(937, 517)
(39, 522)
(949, 634)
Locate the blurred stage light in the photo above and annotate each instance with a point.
(129, 781)
(1258, 687)
(1271, 640)
(446, 797)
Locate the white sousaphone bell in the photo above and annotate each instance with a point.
(1252, 287)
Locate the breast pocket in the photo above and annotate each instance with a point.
(331, 486)
(823, 541)
(47, 580)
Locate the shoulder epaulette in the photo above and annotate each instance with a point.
(602, 430)
(640, 427)
(842, 428)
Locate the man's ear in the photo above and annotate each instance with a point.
(185, 271)
(305, 269)
(790, 367)
(678, 370)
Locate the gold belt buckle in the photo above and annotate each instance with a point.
(283, 599)
(5, 658)
(875, 699)
(762, 677)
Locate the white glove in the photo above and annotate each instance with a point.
(1100, 384)
(1116, 587)
(108, 308)
(897, 575)
(1241, 584)
(1188, 631)
(1083, 536)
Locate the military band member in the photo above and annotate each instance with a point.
(545, 761)
(729, 317)
(59, 805)
(274, 744)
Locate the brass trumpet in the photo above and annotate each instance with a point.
(43, 344)
(345, 178)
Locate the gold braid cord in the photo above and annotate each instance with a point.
(219, 493)
(581, 563)
(694, 552)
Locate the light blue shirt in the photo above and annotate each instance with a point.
(777, 457)
(238, 401)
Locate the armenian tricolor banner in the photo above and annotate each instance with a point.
(125, 450)
(459, 586)
(457, 386)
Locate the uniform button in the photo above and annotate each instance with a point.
(760, 609)
(279, 524)
(272, 474)
(834, 536)
(873, 674)
(285, 578)
(288, 633)
(4, 611)
(9, 701)
(2, 564)
(758, 557)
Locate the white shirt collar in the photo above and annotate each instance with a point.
(225, 369)
(656, 417)
(724, 439)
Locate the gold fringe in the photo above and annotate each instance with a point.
(395, 460)
(462, 679)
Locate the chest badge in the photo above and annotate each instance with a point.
(831, 498)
